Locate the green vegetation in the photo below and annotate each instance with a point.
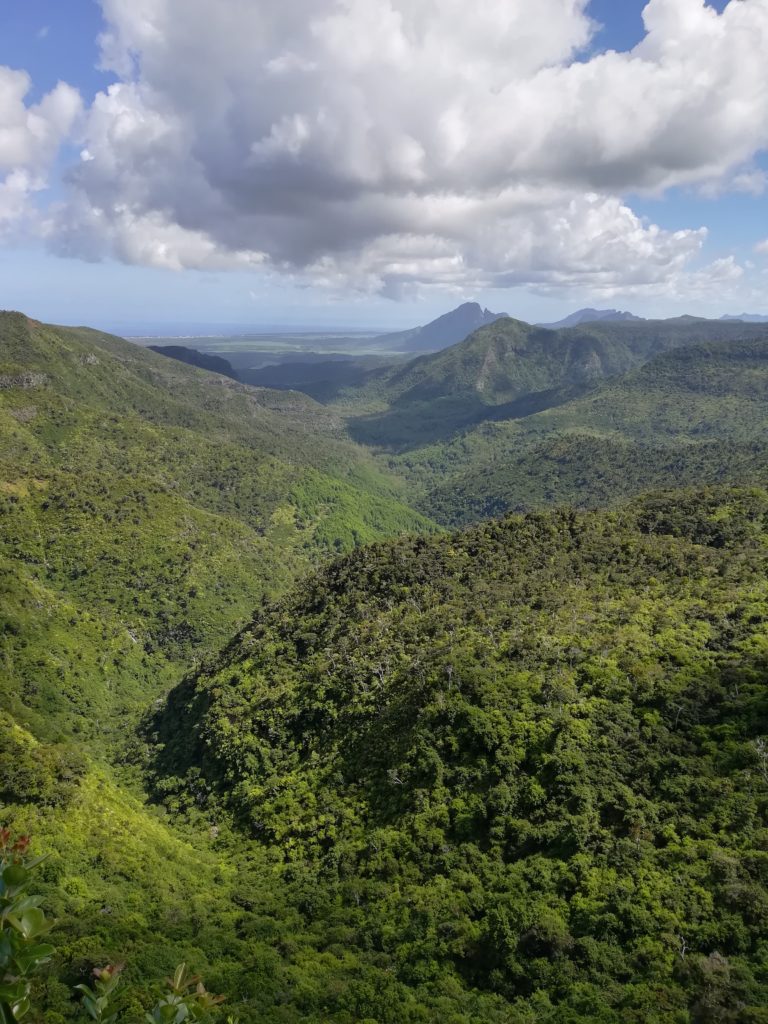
(121, 887)
(521, 770)
(186, 1000)
(194, 358)
(23, 926)
(146, 508)
(693, 416)
(510, 775)
(510, 370)
(585, 471)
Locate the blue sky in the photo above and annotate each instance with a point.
(57, 41)
(54, 40)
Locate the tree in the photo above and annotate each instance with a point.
(22, 927)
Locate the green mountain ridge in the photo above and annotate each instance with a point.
(486, 376)
(695, 415)
(519, 768)
(146, 508)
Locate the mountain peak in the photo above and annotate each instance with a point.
(749, 318)
(448, 329)
(589, 315)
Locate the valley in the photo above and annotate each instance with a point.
(154, 505)
(428, 686)
(383, 512)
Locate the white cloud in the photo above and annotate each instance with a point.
(762, 247)
(16, 188)
(83, 229)
(391, 143)
(533, 236)
(30, 137)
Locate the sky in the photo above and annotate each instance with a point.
(170, 164)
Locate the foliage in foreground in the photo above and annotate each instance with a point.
(186, 999)
(23, 925)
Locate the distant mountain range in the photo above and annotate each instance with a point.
(449, 329)
(456, 326)
(509, 369)
(589, 316)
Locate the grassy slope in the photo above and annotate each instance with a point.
(146, 508)
(121, 883)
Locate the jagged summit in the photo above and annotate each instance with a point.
(448, 329)
(587, 316)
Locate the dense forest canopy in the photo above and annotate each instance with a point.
(509, 774)
(523, 763)
(364, 660)
(146, 508)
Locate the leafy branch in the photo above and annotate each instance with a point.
(22, 927)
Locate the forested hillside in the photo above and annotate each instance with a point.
(514, 774)
(146, 508)
(505, 775)
(696, 415)
(509, 370)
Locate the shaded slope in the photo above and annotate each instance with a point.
(482, 378)
(527, 759)
(203, 360)
(696, 415)
(321, 379)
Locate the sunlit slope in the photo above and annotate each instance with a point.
(146, 508)
(120, 883)
(526, 760)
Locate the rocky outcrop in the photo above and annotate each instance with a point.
(24, 381)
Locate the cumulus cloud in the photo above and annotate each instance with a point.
(523, 236)
(762, 247)
(391, 143)
(30, 137)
